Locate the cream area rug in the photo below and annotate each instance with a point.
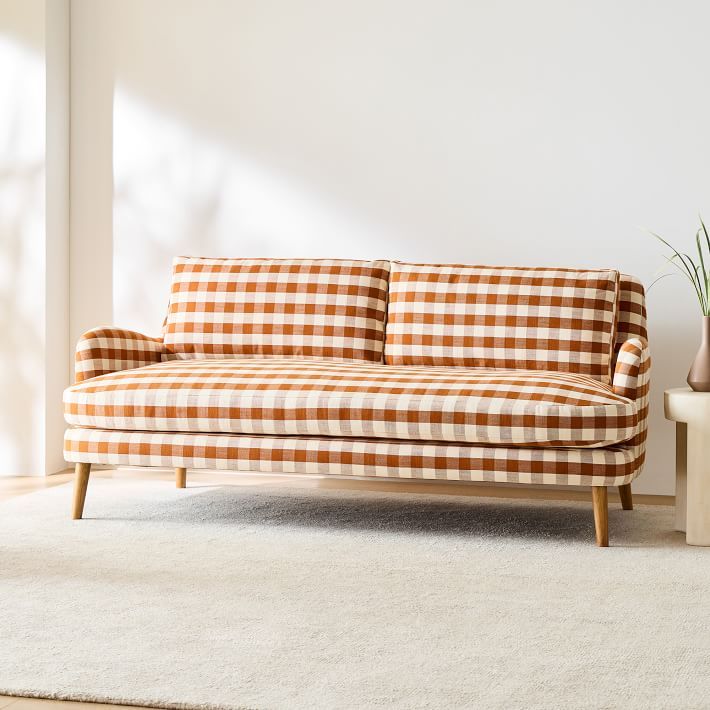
(278, 597)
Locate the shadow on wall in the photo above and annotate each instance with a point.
(21, 259)
(444, 131)
(180, 191)
(176, 192)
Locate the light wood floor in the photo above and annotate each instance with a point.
(11, 487)
(36, 704)
(20, 485)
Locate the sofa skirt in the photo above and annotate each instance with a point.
(380, 458)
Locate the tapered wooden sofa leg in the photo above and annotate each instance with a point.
(81, 481)
(601, 515)
(180, 478)
(627, 502)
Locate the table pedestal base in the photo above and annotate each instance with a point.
(691, 412)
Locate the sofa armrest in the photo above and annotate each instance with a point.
(106, 350)
(632, 369)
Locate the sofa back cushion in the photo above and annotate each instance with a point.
(503, 317)
(312, 308)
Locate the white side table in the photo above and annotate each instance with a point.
(691, 412)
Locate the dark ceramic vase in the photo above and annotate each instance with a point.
(699, 375)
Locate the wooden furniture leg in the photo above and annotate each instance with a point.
(601, 515)
(180, 478)
(627, 502)
(81, 481)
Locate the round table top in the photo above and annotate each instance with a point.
(682, 404)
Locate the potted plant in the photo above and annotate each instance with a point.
(699, 277)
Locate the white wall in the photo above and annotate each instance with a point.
(91, 172)
(34, 160)
(477, 131)
(58, 348)
(34, 203)
(22, 215)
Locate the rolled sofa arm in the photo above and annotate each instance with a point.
(632, 370)
(106, 350)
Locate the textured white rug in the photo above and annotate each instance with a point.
(295, 598)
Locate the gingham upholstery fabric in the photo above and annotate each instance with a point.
(502, 317)
(628, 368)
(106, 350)
(324, 398)
(331, 309)
(632, 374)
(613, 465)
(355, 457)
(632, 311)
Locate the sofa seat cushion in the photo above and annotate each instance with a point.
(324, 398)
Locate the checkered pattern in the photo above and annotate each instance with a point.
(106, 350)
(637, 349)
(628, 367)
(110, 351)
(632, 310)
(277, 308)
(632, 373)
(502, 317)
(322, 398)
(355, 457)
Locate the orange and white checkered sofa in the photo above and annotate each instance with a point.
(382, 369)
